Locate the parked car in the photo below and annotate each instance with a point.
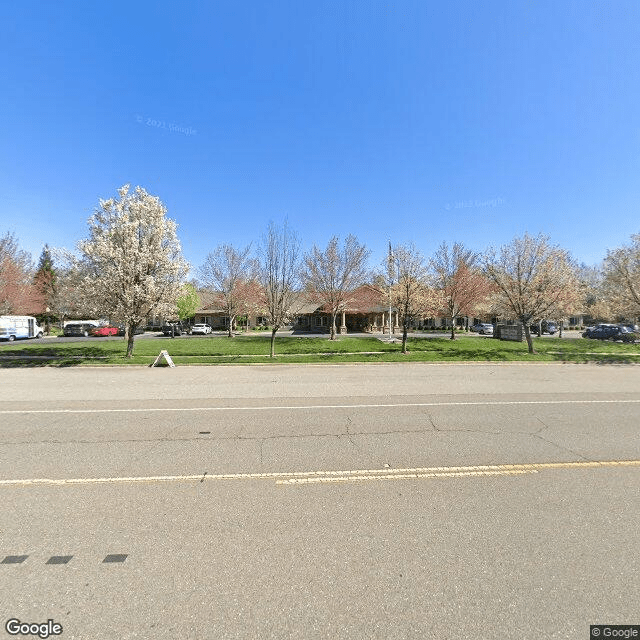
(599, 331)
(202, 329)
(546, 326)
(104, 331)
(175, 329)
(625, 335)
(611, 332)
(122, 330)
(78, 329)
(483, 328)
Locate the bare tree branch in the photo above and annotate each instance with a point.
(17, 292)
(279, 275)
(333, 273)
(459, 280)
(411, 293)
(228, 273)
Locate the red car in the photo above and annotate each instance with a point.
(104, 331)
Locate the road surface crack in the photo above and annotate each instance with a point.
(350, 435)
(542, 428)
(562, 448)
(433, 424)
(238, 437)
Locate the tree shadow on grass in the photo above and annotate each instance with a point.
(446, 349)
(50, 356)
(604, 359)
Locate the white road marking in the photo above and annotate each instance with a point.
(341, 475)
(497, 403)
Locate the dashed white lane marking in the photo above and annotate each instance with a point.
(300, 477)
(505, 403)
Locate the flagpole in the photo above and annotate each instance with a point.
(390, 269)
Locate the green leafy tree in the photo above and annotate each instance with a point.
(188, 303)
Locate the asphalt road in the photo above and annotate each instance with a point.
(350, 501)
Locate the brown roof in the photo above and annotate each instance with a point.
(364, 299)
(367, 299)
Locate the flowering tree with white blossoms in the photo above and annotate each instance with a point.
(133, 259)
(411, 294)
(533, 279)
(622, 277)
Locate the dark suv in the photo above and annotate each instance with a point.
(78, 329)
(176, 329)
(122, 330)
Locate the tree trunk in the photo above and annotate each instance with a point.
(333, 325)
(527, 335)
(453, 328)
(230, 333)
(131, 328)
(560, 329)
(273, 342)
(404, 337)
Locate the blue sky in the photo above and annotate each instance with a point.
(403, 120)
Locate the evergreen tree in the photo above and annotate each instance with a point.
(45, 283)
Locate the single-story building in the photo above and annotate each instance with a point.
(365, 310)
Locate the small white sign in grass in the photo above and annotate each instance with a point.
(167, 358)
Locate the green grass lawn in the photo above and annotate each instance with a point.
(255, 349)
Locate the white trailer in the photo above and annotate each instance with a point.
(12, 327)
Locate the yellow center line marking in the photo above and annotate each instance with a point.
(404, 476)
(302, 477)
